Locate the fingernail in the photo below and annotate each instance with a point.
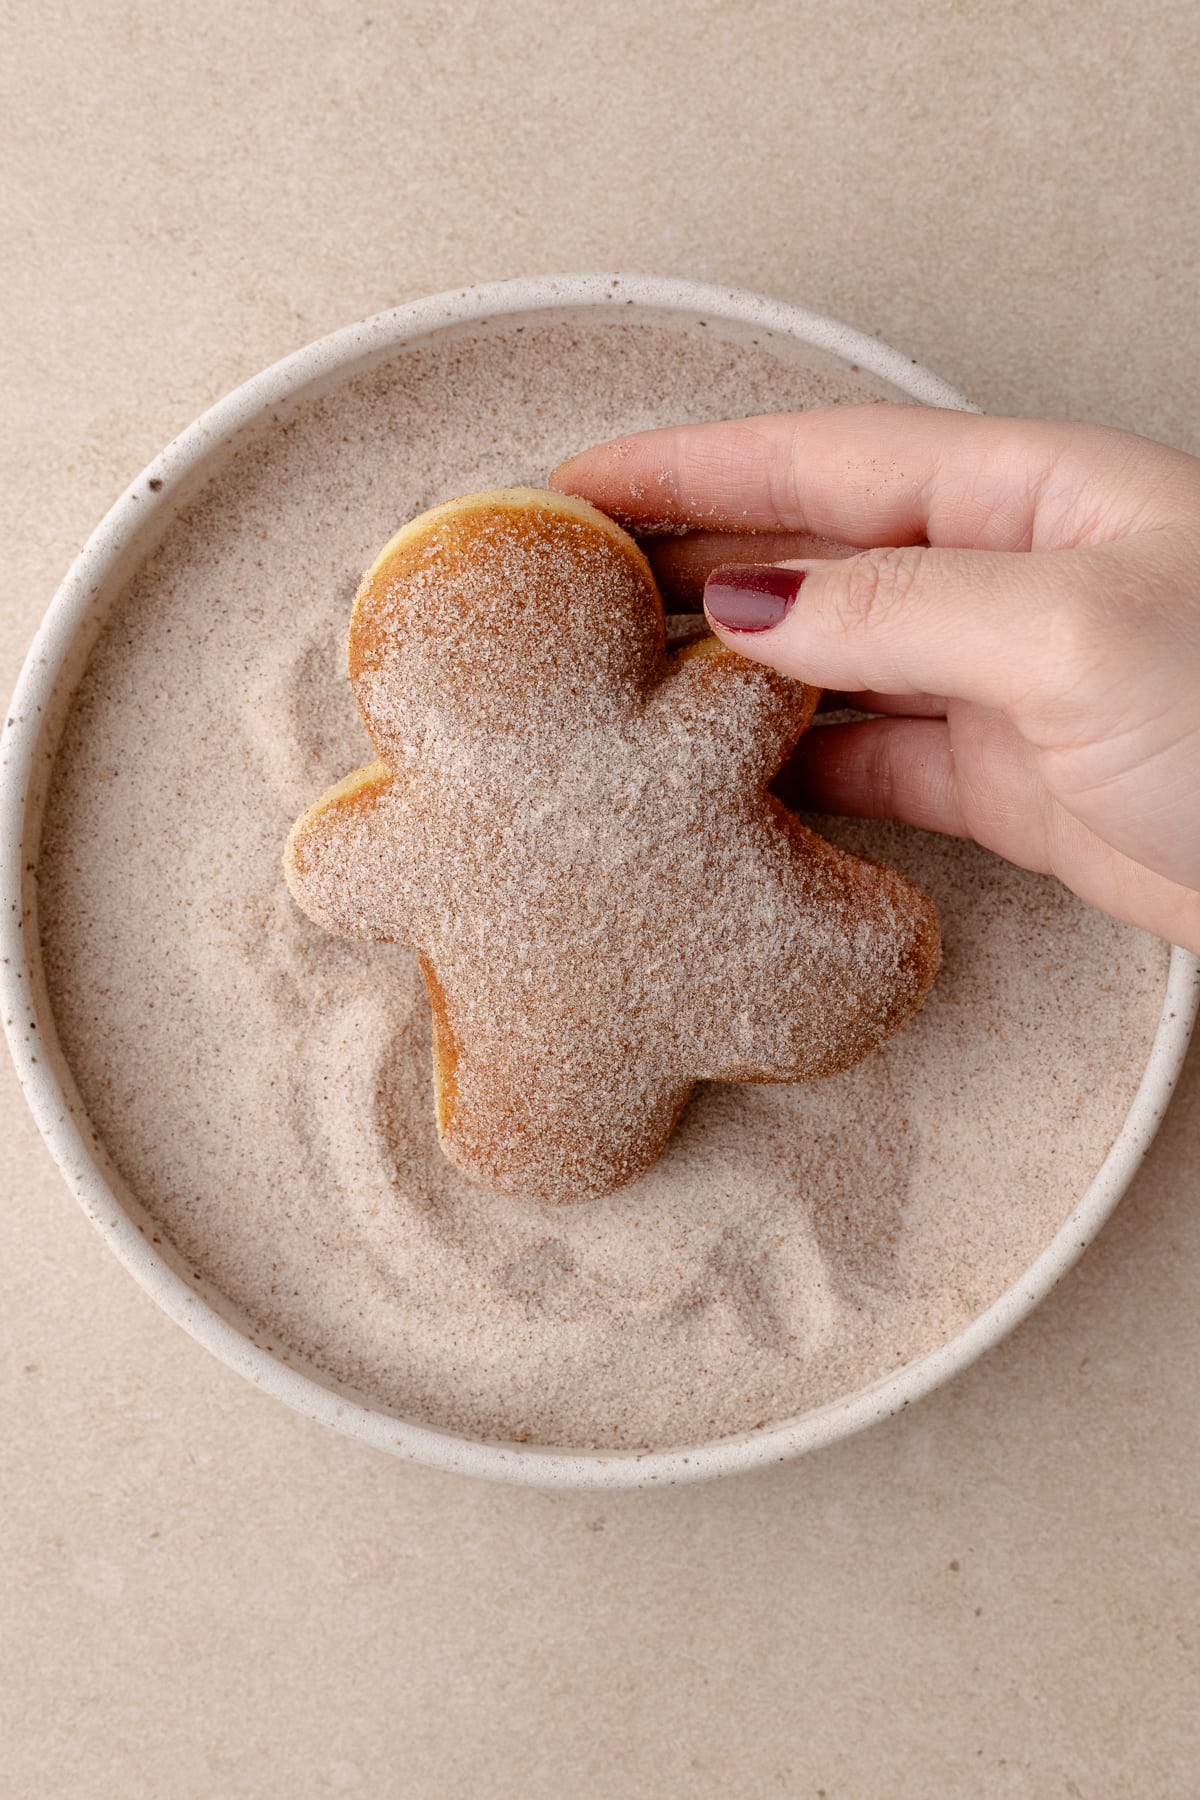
(752, 598)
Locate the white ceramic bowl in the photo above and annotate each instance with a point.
(30, 736)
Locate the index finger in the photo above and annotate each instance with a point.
(883, 474)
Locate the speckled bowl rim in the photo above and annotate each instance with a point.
(27, 746)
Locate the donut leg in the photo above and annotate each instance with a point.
(557, 1121)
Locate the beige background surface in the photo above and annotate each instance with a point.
(205, 1596)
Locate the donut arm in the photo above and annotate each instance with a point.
(345, 858)
(740, 713)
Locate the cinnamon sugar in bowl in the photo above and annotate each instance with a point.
(242, 1105)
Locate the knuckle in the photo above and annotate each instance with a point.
(1071, 635)
(1082, 632)
(875, 586)
(1077, 643)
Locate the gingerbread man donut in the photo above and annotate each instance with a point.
(572, 827)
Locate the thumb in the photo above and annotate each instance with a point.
(987, 626)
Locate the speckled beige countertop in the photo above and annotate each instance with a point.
(206, 1596)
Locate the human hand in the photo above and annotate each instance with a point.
(1017, 602)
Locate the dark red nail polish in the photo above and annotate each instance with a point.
(751, 598)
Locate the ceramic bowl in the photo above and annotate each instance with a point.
(52, 669)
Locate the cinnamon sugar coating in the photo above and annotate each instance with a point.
(572, 826)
